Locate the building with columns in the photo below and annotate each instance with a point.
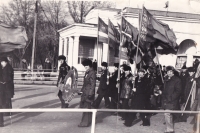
(79, 41)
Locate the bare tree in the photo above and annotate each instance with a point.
(78, 9)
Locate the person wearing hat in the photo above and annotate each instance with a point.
(103, 91)
(63, 70)
(138, 100)
(170, 97)
(126, 86)
(87, 92)
(6, 87)
(112, 86)
(183, 76)
(187, 88)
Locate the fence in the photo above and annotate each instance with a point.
(94, 111)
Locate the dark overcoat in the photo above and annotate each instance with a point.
(171, 93)
(103, 87)
(88, 88)
(188, 85)
(112, 84)
(63, 70)
(141, 94)
(7, 74)
(127, 86)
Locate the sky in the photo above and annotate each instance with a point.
(187, 6)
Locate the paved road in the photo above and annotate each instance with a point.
(35, 96)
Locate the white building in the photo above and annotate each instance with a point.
(79, 41)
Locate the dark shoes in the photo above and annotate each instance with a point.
(66, 105)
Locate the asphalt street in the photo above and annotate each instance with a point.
(42, 96)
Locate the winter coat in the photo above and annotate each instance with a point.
(141, 95)
(89, 84)
(127, 86)
(103, 87)
(47, 67)
(112, 84)
(171, 93)
(63, 70)
(7, 76)
(188, 85)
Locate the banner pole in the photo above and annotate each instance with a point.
(159, 65)
(118, 77)
(140, 23)
(98, 43)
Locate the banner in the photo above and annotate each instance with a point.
(103, 31)
(114, 35)
(12, 38)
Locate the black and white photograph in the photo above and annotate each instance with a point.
(116, 66)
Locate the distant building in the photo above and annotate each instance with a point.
(79, 41)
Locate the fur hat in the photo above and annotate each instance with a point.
(141, 70)
(61, 57)
(4, 59)
(116, 64)
(190, 69)
(168, 68)
(145, 67)
(105, 64)
(87, 62)
(127, 68)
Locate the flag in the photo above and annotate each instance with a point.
(114, 35)
(12, 38)
(103, 31)
(155, 32)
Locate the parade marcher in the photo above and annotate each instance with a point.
(112, 86)
(103, 90)
(63, 70)
(170, 97)
(47, 68)
(187, 85)
(139, 99)
(1, 97)
(87, 92)
(183, 76)
(126, 89)
(7, 83)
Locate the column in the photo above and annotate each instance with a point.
(60, 48)
(65, 46)
(105, 53)
(70, 51)
(75, 51)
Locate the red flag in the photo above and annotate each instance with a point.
(103, 31)
(114, 35)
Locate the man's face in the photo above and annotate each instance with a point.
(87, 68)
(103, 67)
(170, 73)
(61, 61)
(191, 73)
(3, 63)
(141, 74)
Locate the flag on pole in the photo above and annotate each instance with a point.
(103, 31)
(12, 38)
(114, 35)
(157, 32)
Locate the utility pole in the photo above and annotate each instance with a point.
(34, 35)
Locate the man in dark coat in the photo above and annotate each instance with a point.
(63, 70)
(187, 88)
(139, 99)
(103, 91)
(87, 92)
(126, 89)
(7, 74)
(170, 97)
(2, 85)
(113, 88)
(183, 76)
(47, 69)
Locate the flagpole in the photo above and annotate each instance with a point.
(98, 43)
(108, 48)
(140, 23)
(159, 65)
(34, 35)
(118, 77)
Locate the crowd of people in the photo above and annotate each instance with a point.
(153, 87)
